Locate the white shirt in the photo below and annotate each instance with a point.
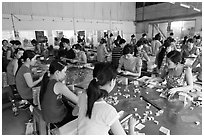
(103, 116)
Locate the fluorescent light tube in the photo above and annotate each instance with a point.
(196, 9)
(184, 5)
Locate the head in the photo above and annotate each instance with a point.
(190, 43)
(13, 44)
(128, 51)
(100, 86)
(103, 41)
(58, 70)
(171, 34)
(118, 38)
(122, 43)
(19, 53)
(5, 42)
(173, 58)
(97, 67)
(139, 45)
(144, 35)
(29, 57)
(111, 35)
(158, 37)
(66, 43)
(77, 48)
(17, 43)
(34, 42)
(80, 41)
(132, 36)
(198, 39)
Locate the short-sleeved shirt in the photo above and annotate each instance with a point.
(12, 52)
(70, 54)
(103, 116)
(10, 75)
(130, 64)
(101, 53)
(22, 87)
(81, 56)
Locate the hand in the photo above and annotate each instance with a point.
(172, 91)
(75, 111)
(41, 78)
(132, 122)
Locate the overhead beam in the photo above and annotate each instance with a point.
(170, 18)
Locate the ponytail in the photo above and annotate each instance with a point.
(102, 76)
(43, 88)
(94, 93)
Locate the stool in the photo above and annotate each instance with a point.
(40, 126)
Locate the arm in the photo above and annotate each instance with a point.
(146, 57)
(84, 58)
(60, 88)
(105, 50)
(120, 64)
(196, 62)
(29, 80)
(8, 55)
(15, 67)
(117, 128)
(189, 81)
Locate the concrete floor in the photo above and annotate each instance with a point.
(14, 125)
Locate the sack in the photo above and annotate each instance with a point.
(29, 128)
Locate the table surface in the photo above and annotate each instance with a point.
(178, 119)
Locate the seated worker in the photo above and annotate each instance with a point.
(66, 52)
(131, 64)
(80, 54)
(179, 78)
(24, 77)
(54, 106)
(191, 49)
(198, 69)
(139, 52)
(96, 117)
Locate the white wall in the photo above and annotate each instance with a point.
(70, 16)
(47, 23)
(171, 12)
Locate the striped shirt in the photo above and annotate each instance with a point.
(116, 54)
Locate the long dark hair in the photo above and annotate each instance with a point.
(54, 66)
(103, 76)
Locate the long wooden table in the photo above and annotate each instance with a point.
(178, 119)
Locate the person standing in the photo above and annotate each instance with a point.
(4, 55)
(117, 53)
(102, 52)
